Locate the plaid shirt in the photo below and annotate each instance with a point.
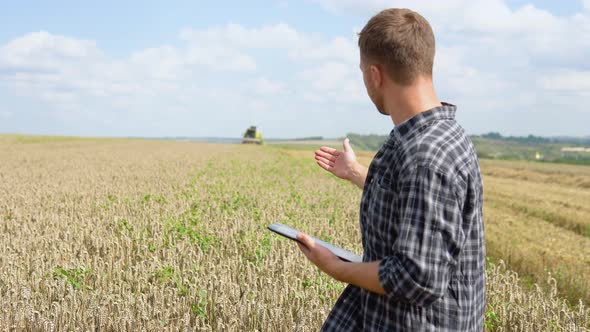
(421, 215)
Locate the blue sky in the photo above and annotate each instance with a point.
(196, 68)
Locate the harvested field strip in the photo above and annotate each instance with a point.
(565, 207)
(545, 173)
(534, 247)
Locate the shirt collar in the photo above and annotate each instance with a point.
(446, 111)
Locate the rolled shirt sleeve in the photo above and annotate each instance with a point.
(429, 237)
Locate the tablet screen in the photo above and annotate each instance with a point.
(291, 233)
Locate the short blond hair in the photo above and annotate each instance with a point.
(401, 41)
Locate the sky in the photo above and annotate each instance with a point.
(213, 68)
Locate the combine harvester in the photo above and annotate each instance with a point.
(252, 136)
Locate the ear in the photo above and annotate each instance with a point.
(376, 76)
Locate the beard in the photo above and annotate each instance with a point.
(377, 100)
(380, 107)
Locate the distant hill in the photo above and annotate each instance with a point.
(495, 146)
(366, 142)
(532, 139)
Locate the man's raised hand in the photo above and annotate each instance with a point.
(339, 163)
(343, 164)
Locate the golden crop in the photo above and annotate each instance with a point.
(154, 235)
(536, 218)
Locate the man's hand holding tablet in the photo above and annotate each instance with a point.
(311, 242)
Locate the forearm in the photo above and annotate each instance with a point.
(363, 275)
(358, 175)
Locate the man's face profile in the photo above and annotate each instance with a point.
(370, 73)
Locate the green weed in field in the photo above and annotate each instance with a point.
(73, 276)
(199, 307)
(168, 275)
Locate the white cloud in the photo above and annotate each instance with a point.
(339, 48)
(61, 69)
(489, 57)
(237, 36)
(488, 20)
(279, 36)
(167, 62)
(492, 57)
(44, 51)
(567, 81)
(327, 76)
(210, 69)
(586, 4)
(335, 82)
(265, 86)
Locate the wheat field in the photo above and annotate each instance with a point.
(139, 235)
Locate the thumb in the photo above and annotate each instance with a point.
(346, 145)
(305, 240)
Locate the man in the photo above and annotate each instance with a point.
(421, 211)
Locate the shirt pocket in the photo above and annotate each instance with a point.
(380, 215)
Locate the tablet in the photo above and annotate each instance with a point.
(291, 233)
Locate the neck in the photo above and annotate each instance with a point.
(404, 102)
